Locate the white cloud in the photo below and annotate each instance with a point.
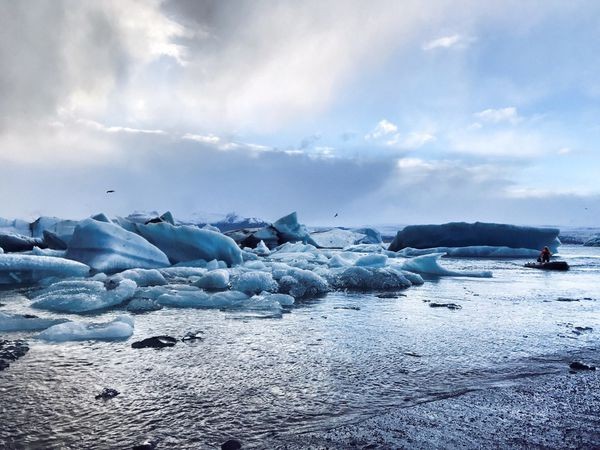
(383, 128)
(508, 114)
(205, 139)
(116, 129)
(564, 151)
(411, 141)
(455, 40)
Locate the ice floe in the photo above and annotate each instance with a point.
(429, 264)
(79, 296)
(19, 268)
(26, 322)
(118, 329)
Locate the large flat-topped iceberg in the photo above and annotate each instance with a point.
(461, 234)
(19, 268)
(107, 247)
(188, 243)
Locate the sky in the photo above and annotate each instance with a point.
(377, 111)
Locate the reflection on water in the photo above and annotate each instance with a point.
(256, 378)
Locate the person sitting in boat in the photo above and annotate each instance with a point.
(545, 255)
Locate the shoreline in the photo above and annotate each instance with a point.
(547, 411)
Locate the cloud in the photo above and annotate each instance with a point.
(508, 115)
(455, 40)
(411, 141)
(116, 129)
(382, 129)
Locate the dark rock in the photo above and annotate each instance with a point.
(567, 299)
(11, 351)
(107, 393)
(445, 305)
(231, 444)
(155, 342)
(2, 304)
(576, 365)
(416, 355)
(354, 308)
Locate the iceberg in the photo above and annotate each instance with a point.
(141, 305)
(475, 251)
(594, 241)
(107, 247)
(26, 322)
(57, 233)
(429, 264)
(376, 260)
(17, 268)
(118, 329)
(201, 299)
(11, 242)
(186, 243)
(254, 282)
(461, 234)
(78, 296)
(289, 230)
(142, 277)
(369, 279)
(337, 238)
(300, 283)
(214, 280)
(15, 226)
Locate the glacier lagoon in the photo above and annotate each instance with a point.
(275, 370)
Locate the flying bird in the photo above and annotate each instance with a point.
(110, 191)
(336, 214)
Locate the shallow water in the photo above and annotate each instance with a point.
(261, 379)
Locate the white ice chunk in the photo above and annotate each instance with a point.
(107, 247)
(119, 328)
(476, 251)
(214, 280)
(183, 243)
(83, 295)
(365, 248)
(201, 299)
(338, 261)
(302, 283)
(47, 252)
(18, 268)
(254, 283)
(282, 299)
(142, 277)
(261, 249)
(182, 272)
(369, 278)
(26, 322)
(375, 260)
(429, 264)
(336, 238)
(139, 305)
